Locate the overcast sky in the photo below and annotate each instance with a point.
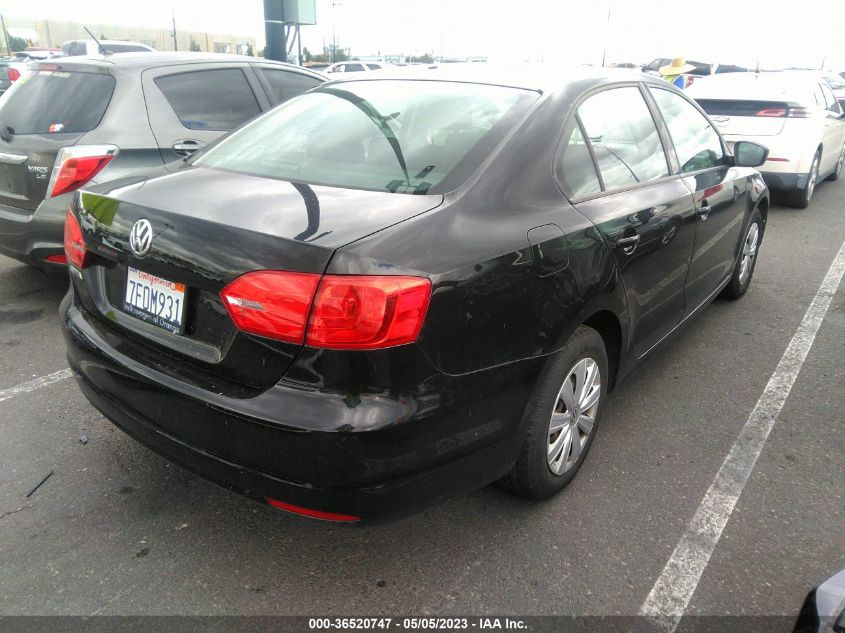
(778, 33)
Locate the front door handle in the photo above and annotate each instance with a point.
(704, 210)
(187, 146)
(628, 244)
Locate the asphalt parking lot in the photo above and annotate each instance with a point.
(118, 530)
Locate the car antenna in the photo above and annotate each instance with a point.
(102, 48)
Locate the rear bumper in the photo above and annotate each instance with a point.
(32, 237)
(403, 457)
(785, 181)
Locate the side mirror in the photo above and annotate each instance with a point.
(748, 154)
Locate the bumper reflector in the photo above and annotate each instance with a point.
(56, 259)
(313, 514)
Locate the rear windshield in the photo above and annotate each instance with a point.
(49, 102)
(397, 136)
(738, 107)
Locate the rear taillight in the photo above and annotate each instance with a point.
(364, 312)
(58, 258)
(798, 113)
(13, 74)
(775, 112)
(75, 249)
(77, 165)
(343, 312)
(271, 303)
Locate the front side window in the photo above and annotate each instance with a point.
(397, 136)
(696, 142)
(210, 99)
(624, 138)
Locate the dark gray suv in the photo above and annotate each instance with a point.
(75, 121)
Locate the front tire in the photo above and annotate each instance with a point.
(801, 198)
(744, 269)
(562, 417)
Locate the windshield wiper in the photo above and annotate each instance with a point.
(380, 121)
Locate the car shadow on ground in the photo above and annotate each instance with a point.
(20, 283)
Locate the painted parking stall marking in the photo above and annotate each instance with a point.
(35, 383)
(673, 590)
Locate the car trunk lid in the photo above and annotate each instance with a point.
(208, 228)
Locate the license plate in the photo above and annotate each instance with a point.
(155, 300)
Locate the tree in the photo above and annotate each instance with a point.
(423, 59)
(249, 50)
(335, 53)
(194, 46)
(15, 43)
(306, 54)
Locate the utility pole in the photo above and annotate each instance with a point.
(173, 18)
(5, 37)
(335, 4)
(606, 35)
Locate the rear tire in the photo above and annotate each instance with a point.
(568, 401)
(801, 198)
(744, 269)
(839, 164)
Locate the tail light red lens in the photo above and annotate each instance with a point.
(75, 249)
(271, 303)
(77, 165)
(337, 312)
(774, 112)
(13, 74)
(364, 312)
(58, 258)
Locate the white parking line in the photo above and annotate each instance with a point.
(35, 383)
(671, 594)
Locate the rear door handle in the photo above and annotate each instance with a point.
(187, 146)
(628, 244)
(704, 210)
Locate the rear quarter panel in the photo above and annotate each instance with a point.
(490, 305)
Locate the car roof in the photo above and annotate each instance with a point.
(753, 86)
(537, 77)
(141, 60)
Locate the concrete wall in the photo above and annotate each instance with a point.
(52, 33)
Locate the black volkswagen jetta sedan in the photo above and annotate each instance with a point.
(391, 290)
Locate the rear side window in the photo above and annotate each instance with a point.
(624, 137)
(373, 66)
(696, 142)
(286, 85)
(351, 68)
(577, 171)
(45, 102)
(210, 99)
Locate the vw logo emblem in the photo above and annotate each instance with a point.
(141, 238)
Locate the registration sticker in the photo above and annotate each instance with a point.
(155, 300)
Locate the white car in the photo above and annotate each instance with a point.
(354, 67)
(794, 114)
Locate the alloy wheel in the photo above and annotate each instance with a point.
(749, 252)
(574, 415)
